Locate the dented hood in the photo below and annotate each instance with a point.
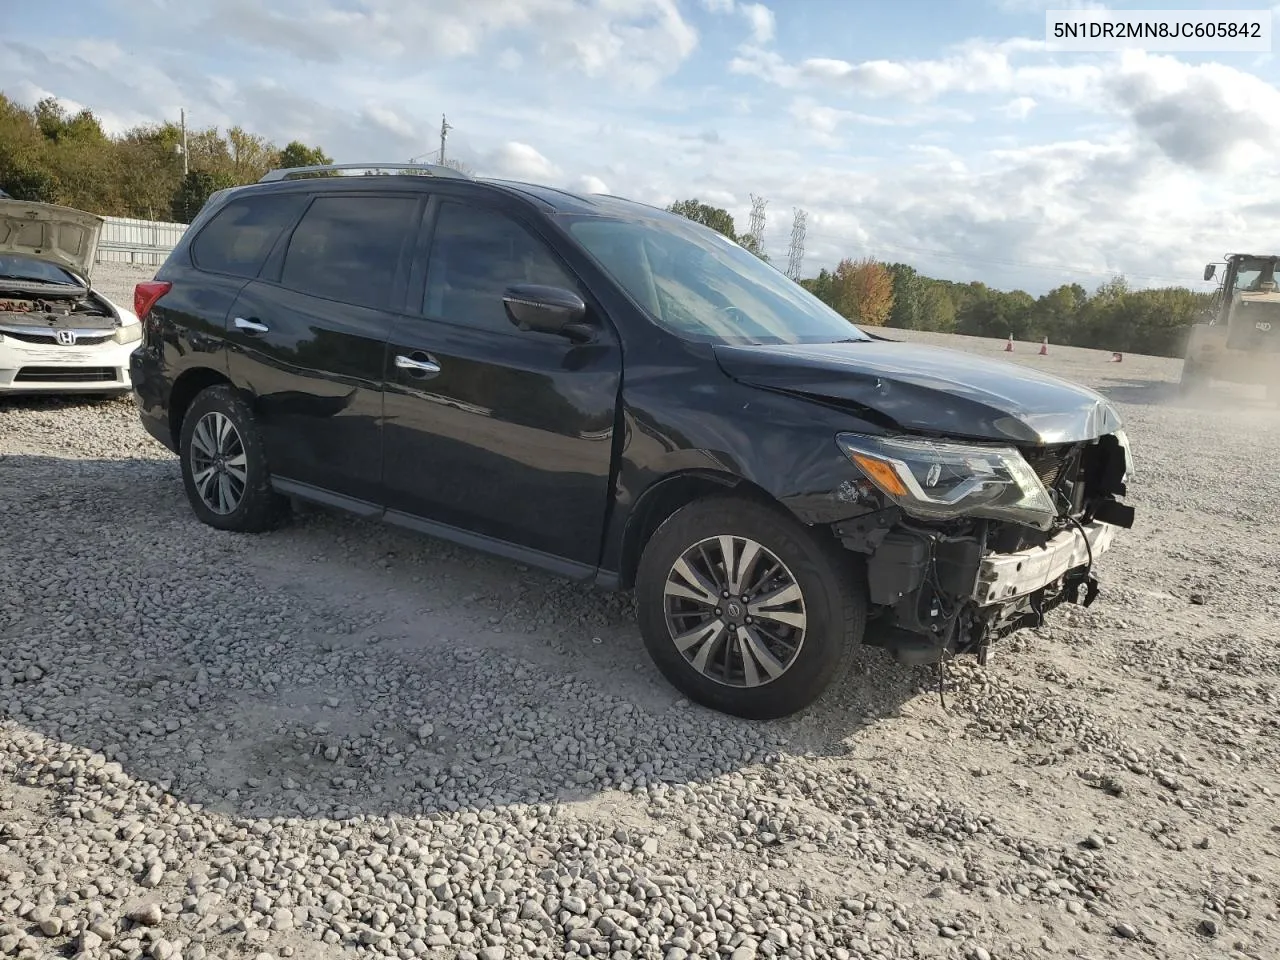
(44, 231)
(930, 390)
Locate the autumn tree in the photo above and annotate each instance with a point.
(863, 291)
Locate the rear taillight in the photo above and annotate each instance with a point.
(146, 294)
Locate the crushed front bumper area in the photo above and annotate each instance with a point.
(935, 594)
(1008, 577)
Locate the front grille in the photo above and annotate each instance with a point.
(66, 375)
(45, 338)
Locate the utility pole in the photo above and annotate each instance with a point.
(444, 132)
(183, 115)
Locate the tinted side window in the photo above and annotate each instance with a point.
(475, 255)
(347, 248)
(241, 234)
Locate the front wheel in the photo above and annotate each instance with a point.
(745, 610)
(224, 464)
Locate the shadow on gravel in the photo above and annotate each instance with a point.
(337, 668)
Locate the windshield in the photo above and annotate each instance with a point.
(1255, 274)
(22, 268)
(702, 286)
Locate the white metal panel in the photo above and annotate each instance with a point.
(147, 242)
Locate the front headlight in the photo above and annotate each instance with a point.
(942, 480)
(128, 333)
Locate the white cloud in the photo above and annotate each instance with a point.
(973, 67)
(520, 161)
(1019, 108)
(761, 20)
(823, 121)
(390, 120)
(589, 184)
(1209, 116)
(633, 43)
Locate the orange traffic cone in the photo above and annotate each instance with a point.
(1044, 347)
(1008, 347)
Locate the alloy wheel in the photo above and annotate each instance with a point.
(735, 611)
(218, 465)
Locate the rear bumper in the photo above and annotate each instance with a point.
(28, 368)
(150, 393)
(1008, 576)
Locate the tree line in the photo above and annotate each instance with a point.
(50, 155)
(1112, 317)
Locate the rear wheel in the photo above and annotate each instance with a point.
(224, 464)
(745, 610)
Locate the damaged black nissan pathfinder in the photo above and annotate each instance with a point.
(624, 397)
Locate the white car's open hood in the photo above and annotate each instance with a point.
(54, 234)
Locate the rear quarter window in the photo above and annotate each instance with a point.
(240, 236)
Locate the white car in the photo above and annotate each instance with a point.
(57, 333)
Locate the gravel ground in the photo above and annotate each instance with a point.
(338, 737)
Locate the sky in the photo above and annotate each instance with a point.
(938, 133)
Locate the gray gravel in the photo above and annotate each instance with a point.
(341, 739)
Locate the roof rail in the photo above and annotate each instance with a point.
(418, 169)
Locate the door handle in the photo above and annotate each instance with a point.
(415, 366)
(254, 325)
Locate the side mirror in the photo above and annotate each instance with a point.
(532, 306)
(1209, 270)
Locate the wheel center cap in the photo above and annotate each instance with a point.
(734, 610)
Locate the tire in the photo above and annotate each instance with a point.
(257, 508)
(832, 600)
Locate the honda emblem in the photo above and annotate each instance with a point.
(66, 337)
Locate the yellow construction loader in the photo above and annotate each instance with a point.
(1240, 339)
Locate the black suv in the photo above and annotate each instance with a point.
(621, 396)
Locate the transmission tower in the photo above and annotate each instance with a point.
(795, 255)
(756, 232)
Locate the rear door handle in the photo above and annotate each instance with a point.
(417, 364)
(254, 325)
